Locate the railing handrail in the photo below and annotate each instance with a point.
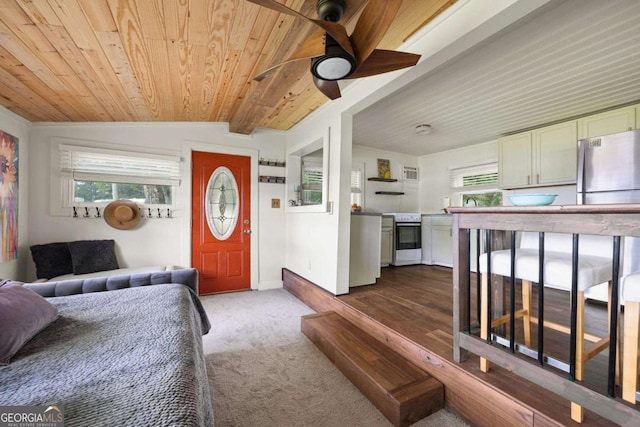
(604, 220)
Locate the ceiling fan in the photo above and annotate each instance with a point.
(335, 55)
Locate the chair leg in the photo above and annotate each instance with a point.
(630, 351)
(526, 305)
(577, 411)
(484, 318)
(580, 337)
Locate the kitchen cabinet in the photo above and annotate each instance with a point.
(426, 240)
(545, 156)
(364, 256)
(386, 241)
(614, 121)
(442, 240)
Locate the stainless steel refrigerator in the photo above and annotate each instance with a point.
(609, 172)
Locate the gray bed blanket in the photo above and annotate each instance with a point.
(131, 357)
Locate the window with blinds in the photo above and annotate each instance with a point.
(477, 176)
(357, 184)
(94, 164)
(311, 182)
(476, 185)
(101, 175)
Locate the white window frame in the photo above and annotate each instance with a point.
(62, 182)
(457, 174)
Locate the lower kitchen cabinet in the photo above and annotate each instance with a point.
(386, 241)
(437, 240)
(442, 240)
(364, 266)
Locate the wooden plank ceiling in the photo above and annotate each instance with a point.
(167, 60)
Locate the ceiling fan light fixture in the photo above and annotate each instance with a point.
(335, 64)
(331, 67)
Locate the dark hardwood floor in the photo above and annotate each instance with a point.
(417, 302)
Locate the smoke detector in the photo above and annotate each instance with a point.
(423, 129)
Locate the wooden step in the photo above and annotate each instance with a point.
(403, 392)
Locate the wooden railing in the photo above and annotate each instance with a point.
(500, 222)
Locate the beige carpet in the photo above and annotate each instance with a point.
(264, 372)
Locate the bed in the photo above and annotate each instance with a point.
(121, 352)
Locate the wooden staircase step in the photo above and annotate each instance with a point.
(402, 391)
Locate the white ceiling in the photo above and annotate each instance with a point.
(576, 58)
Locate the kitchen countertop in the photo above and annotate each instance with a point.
(549, 209)
(366, 213)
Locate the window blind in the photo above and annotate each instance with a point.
(476, 176)
(311, 175)
(356, 181)
(102, 165)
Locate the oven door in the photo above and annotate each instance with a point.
(408, 235)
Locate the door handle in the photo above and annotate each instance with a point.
(247, 231)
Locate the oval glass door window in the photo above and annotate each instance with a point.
(222, 203)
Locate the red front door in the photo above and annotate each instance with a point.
(221, 225)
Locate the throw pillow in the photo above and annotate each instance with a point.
(89, 256)
(51, 260)
(23, 313)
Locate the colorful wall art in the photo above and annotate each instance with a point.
(8, 196)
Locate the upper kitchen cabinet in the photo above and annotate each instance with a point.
(545, 156)
(614, 121)
(515, 160)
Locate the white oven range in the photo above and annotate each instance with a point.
(407, 239)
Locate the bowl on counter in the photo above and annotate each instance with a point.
(532, 199)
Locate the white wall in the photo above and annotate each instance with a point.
(317, 245)
(160, 241)
(386, 203)
(18, 127)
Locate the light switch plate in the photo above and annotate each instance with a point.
(275, 203)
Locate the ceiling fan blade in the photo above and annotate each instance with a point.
(337, 31)
(382, 61)
(329, 88)
(375, 20)
(313, 46)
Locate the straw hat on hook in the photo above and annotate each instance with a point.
(122, 214)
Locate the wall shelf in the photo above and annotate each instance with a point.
(390, 193)
(375, 178)
(277, 163)
(272, 179)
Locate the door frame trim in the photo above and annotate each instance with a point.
(236, 151)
